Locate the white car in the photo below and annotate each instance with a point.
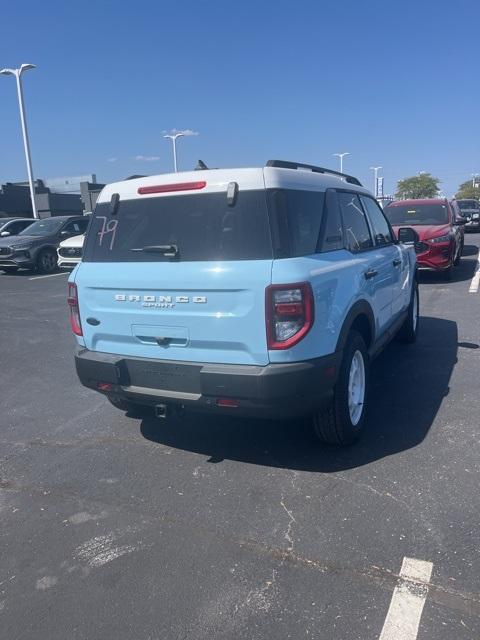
(70, 252)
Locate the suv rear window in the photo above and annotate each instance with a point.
(468, 204)
(202, 226)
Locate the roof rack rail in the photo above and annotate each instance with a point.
(286, 164)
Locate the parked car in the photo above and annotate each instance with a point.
(36, 246)
(257, 292)
(13, 226)
(440, 232)
(70, 252)
(471, 210)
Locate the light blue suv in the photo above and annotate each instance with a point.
(253, 292)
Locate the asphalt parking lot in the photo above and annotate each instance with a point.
(206, 528)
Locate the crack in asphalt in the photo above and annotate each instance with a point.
(453, 599)
(288, 532)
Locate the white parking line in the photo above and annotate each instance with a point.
(50, 275)
(475, 283)
(405, 611)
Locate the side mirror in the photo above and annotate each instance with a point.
(407, 235)
(64, 233)
(4, 234)
(461, 220)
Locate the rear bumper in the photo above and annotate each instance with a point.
(273, 391)
(474, 225)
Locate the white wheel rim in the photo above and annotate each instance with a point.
(415, 310)
(356, 388)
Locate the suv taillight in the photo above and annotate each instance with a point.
(288, 314)
(74, 310)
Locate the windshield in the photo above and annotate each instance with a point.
(411, 214)
(185, 228)
(42, 228)
(468, 204)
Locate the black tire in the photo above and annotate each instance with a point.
(459, 256)
(333, 424)
(47, 261)
(132, 408)
(9, 269)
(409, 330)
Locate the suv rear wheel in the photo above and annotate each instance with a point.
(341, 423)
(47, 261)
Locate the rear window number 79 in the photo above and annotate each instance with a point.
(110, 227)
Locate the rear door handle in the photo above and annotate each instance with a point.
(397, 262)
(371, 273)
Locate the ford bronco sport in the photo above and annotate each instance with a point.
(254, 292)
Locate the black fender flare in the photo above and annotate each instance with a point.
(360, 308)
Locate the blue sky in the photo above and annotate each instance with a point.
(395, 83)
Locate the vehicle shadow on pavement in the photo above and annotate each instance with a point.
(469, 250)
(408, 385)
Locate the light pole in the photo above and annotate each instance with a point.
(474, 176)
(340, 155)
(376, 170)
(18, 75)
(173, 137)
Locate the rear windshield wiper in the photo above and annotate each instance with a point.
(168, 250)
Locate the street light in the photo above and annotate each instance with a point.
(474, 176)
(173, 137)
(340, 155)
(18, 75)
(376, 170)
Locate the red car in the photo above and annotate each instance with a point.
(440, 231)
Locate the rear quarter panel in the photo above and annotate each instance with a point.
(337, 282)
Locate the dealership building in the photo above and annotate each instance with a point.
(54, 197)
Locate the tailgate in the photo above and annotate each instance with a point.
(200, 312)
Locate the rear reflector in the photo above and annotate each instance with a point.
(166, 188)
(227, 402)
(104, 386)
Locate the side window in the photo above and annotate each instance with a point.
(380, 227)
(83, 224)
(298, 216)
(357, 233)
(331, 237)
(69, 228)
(79, 226)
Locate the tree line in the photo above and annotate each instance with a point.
(424, 185)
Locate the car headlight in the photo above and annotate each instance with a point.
(21, 246)
(440, 239)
